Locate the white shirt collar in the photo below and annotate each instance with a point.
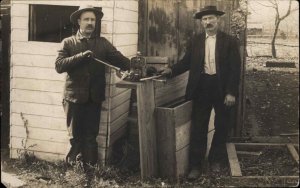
(212, 36)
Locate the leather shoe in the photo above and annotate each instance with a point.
(194, 174)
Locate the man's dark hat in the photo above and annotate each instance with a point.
(208, 10)
(75, 15)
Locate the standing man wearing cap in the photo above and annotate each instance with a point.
(84, 89)
(213, 60)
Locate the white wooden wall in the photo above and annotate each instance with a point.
(36, 89)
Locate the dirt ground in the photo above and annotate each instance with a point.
(272, 96)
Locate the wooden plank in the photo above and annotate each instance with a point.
(129, 50)
(37, 109)
(166, 142)
(19, 22)
(126, 84)
(115, 125)
(37, 85)
(257, 146)
(147, 132)
(36, 73)
(183, 113)
(19, 35)
(293, 152)
(39, 48)
(125, 15)
(112, 90)
(36, 97)
(125, 39)
(107, 141)
(47, 61)
(249, 153)
(116, 100)
(127, 5)
(10, 180)
(36, 121)
(19, 10)
(174, 88)
(182, 159)
(182, 135)
(235, 168)
(51, 157)
(125, 27)
(112, 115)
(40, 145)
(106, 27)
(39, 134)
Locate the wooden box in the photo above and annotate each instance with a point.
(173, 124)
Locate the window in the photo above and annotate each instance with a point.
(50, 23)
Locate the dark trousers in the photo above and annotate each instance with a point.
(206, 98)
(83, 122)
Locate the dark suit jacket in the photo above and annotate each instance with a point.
(228, 62)
(85, 79)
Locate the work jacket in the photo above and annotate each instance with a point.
(227, 59)
(85, 79)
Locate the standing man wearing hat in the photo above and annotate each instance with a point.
(84, 89)
(213, 60)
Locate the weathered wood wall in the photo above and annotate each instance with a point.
(36, 89)
(166, 26)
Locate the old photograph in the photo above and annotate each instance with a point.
(149, 93)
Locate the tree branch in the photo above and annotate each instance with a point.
(288, 11)
(265, 5)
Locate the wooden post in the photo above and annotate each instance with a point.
(293, 152)
(146, 124)
(235, 168)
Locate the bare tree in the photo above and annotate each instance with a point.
(278, 18)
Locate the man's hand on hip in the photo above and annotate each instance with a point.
(229, 100)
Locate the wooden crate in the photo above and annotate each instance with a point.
(173, 124)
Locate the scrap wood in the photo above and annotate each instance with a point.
(290, 134)
(249, 153)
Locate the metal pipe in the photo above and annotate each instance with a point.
(109, 65)
(151, 77)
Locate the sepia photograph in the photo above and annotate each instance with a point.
(149, 93)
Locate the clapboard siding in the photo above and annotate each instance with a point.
(35, 48)
(126, 15)
(37, 85)
(127, 5)
(45, 61)
(125, 39)
(125, 27)
(114, 102)
(18, 22)
(19, 35)
(129, 50)
(19, 10)
(37, 121)
(36, 88)
(37, 109)
(52, 157)
(40, 145)
(37, 73)
(106, 27)
(40, 133)
(52, 98)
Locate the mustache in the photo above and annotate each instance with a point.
(90, 27)
(209, 25)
